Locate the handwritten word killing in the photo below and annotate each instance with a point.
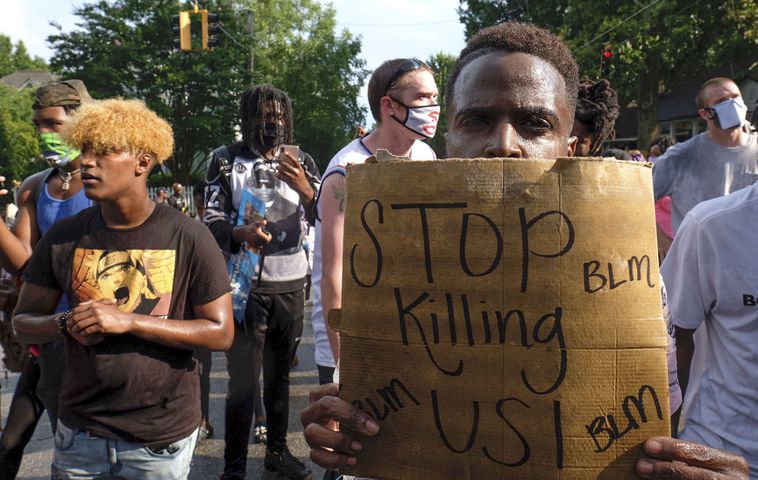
(493, 326)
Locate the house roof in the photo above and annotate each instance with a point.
(21, 79)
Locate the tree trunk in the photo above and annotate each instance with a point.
(648, 98)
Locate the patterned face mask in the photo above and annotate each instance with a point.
(422, 120)
(55, 152)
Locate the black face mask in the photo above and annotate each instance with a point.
(271, 135)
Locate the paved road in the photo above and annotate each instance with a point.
(208, 460)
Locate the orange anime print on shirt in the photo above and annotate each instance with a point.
(140, 281)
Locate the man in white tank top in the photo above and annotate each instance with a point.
(402, 96)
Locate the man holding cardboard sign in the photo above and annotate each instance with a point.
(511, 94)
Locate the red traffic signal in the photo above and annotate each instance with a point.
(606, 59)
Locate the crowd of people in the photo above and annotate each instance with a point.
(124, 297)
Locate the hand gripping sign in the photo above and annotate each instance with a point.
(502, 318)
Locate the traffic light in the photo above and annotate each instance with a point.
(211, 27)
(180, 27)
(606, 61)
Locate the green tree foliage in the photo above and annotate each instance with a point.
(16, 57)
(124, 48)
(19, 148)
(657, 44)
(442, 64)
(298, 51)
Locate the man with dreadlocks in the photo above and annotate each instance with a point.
(273, 318)
(597, 109)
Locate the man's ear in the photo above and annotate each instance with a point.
(571, 147)
(144, 164)
(387, 106)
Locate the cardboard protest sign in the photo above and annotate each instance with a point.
(502, 318)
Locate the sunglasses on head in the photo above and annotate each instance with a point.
(407, 66)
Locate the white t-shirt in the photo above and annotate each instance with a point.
(711, 274)
(354, 152)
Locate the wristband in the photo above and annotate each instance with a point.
(62, 322)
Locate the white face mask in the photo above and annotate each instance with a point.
(729, 114)
(421, 120)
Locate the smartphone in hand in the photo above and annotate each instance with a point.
(291, 150)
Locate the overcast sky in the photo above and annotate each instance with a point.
(389, 28)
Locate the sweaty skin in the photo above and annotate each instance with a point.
(504, 106)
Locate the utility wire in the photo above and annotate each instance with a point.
(619, 24)
(228, 35)
(691, 5)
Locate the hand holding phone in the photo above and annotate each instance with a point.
(289, 154)
(291, 172)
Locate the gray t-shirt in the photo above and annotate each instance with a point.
(699, 169)
(711, 275)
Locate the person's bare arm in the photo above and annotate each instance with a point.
(212, 329)
(332, 208)
(668, 458)
(16, 246)
(33, 319)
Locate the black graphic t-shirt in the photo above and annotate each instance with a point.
(125, 387)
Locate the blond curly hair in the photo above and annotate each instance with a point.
(119, 125)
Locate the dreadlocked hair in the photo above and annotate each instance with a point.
(254, 105)
(598, 108)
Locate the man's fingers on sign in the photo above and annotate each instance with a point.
(325, 409)
(669, 458)
(3, 190)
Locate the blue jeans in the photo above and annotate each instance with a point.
(79, 455)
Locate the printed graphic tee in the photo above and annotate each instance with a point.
(125, 387)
